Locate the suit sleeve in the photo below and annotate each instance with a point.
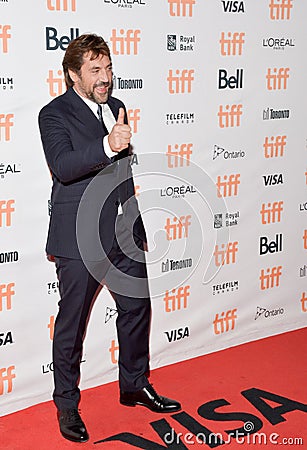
(67, 157)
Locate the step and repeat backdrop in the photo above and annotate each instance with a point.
(216, 99)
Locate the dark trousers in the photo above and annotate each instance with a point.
(78, 283)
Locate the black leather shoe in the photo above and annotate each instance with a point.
(71, 426)
(149, 398)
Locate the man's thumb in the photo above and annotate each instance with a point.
(121, 116)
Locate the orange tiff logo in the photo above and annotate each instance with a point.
(177, 300)
(304, 302)
(7, 376)
(270, 277)
(114, 352)
(61, 5)
(305, 239)
(233, 44)
(126, 43)
(181, 82)
(226, 255)
(280, 9)
(223, 323)
(230, 116)
(179, 228)
(5, 36)
(6, 210)
(277, 78)
(181, 7)
(133, 119)
(180, 155)
(56, 83)
(275, 146)
(6, 123)
(51, 327)
(6, 294)
(229, 186)
(271, 212)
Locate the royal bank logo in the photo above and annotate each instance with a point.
(275, 114)
(226, 219)
(125, 3)
(268, 313)
(280, 43)
(180, 43)
(127, 83)
(9, 169)
(179, 118)
(225, 287)
(6, 83)
(176, 264)
(227, 154)
(177, 191)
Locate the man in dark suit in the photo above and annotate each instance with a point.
(84, 131)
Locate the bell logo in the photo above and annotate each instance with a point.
(270, 278)
(224, 323)
(5, 36)
(7, 376)
(280, 9)
(181, 155)
(277, 78)
(126, 42)
(56, 84)
(229, 186)
(6, 293)
(275, 146)
(304, 302)
(305, 239)
(179, 228)
(6, 210)
(51, 327)
(114, 352)
(180, 83)
(6, 123)
(230, 116)
(177, 300)
(233, 44)
(226, 255)
(181, 7)
(271, 212)
(61, 5)
(133, 119)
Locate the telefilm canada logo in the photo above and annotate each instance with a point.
(125, 3)
(180, 43)
(6, 83)
(268, 313)
(179, 118)
(279, 43)
(52, 287)
(225, 287)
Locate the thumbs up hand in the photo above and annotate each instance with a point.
(120, 136)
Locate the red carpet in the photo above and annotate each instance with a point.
(258, 387)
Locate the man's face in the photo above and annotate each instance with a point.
(95, 79)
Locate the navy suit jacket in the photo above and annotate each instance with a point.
(84, 179)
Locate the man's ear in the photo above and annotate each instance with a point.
(73, 75)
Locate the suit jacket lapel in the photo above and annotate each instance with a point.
(83, 113)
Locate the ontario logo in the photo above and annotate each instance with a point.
(268, 313)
